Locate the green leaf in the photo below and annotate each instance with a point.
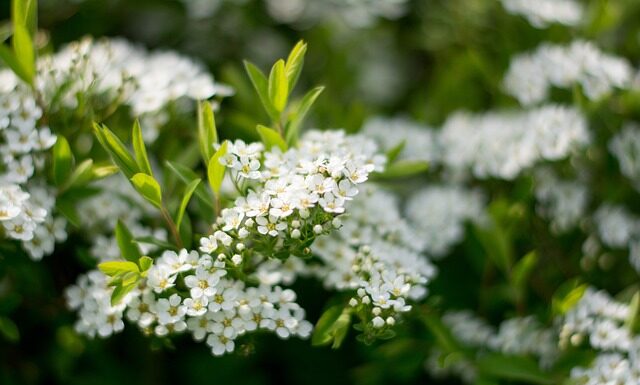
(513, 368)
(139, 149)
(114, 268)
(207, 133)
(187, 176)
(24, 51)
(634, 308)
(128, 248)
(120, 291)
(322, 332)
(294, 64)
(393, 153)
(99, 172)
(10, 59)
(9, 330)
(293, 126)
(271, 137)
(403, 169)
(278, 86)
(62, 160)
(145, 263)
(522, 270)
(261, 86)
(567, 296)
(341, 328)
(191, 187)
(117, 150)
(148, 188)
(80, 176)
(215, 170)
(25, 13)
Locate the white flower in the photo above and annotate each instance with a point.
(203, 283)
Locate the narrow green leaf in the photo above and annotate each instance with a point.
(522, 270)
(128, 248)
(145, 263)
(340, 328)
(278, 86)
(10, 59)
(140, 150)
(191, 187)
(24, 51)
(215, 170)
(120, 291)
(271, 137)
(294, 64)
(293, 127)
(148, 188)
(395, 152)
(102, 171)
(9, 330)
(80, 176)
(62, 160)
(261, 86)
(322, 331)
(187, 176)
(207, 133)
(567, 296)
(403, 169)
(634, 308)
(113, 268)
(117, 150)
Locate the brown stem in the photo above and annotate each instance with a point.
(172, 227)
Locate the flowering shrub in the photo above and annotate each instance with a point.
(457, 204)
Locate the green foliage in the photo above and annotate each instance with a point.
(216, 170)
(332, 326)
(207, 133)
(62, 161)
(140, 151)
(271, 138)
(148, 188)
(128, 248)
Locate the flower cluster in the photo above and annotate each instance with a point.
(376, 256)
(190, 292)
(542, 13)
(502, 144)
(562, 202)
(114, 72)
(531, 75)
(25, 206)
(292, 196)
(599, 321)
(625, 146)
(438, 214)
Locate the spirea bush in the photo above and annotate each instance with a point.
(457, 204)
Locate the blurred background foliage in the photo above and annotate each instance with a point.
(440, 57)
